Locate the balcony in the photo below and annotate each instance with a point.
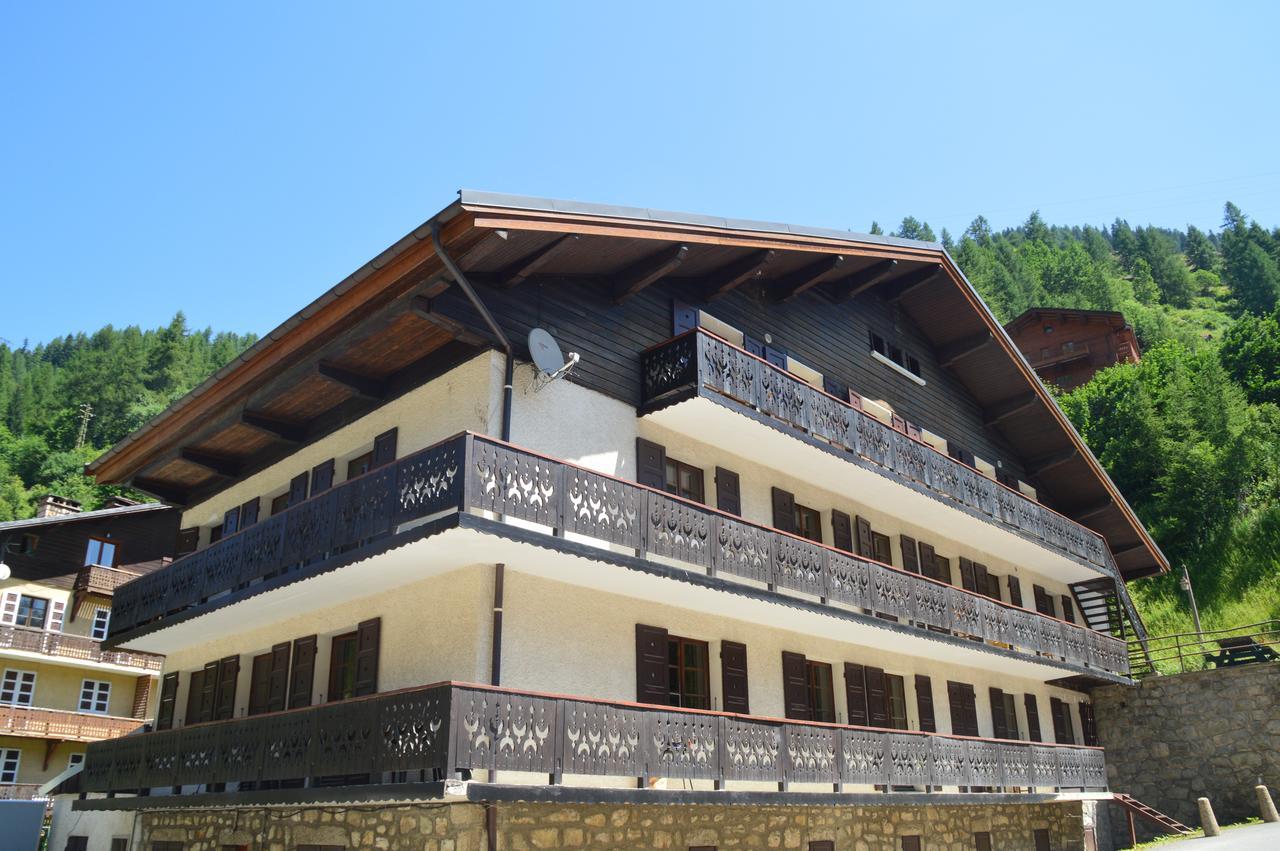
(20, 792)
(60, 645)
(599, 516)
(103, 581)
(1067, 353)
(452, 729)
(62, 724)
(698, 364)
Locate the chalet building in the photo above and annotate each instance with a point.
(60, 688)
(1067, 347)
(797, 528)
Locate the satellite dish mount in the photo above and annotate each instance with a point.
(549, 364)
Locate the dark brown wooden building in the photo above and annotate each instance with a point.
(1067, 347)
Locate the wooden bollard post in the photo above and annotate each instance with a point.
(1266, 806)
(1207, 819)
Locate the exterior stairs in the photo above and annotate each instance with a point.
(1135, 807)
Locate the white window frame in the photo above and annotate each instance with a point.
(12, 684)
(98, 631)
(102, 544)
(902, 370)
(7, 774)
(95, 694)
(75, 759)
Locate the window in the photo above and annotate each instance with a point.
(27, 546)
(101, 553)
(32, 611)
(684, 480)
(822, 845)
(964, 709)
(17, 688)
(120, 843)
(808, 523)
(215, 534)
(896, 693)
(77, 843)
(10, 759)
(689, 676)
(890, 351)
(101, 621)
(279, 504)
(982, 840)
(95, 696)
(1041, 838)
(1011, 716)
(359, 465)
(821, 696)
(911, 843)
(75, 759)
(881, 548)
(342, 667)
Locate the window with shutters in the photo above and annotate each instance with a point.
(77, 843)
(728, 491)
(342, 666)
(1004, 715)
(684, 480)
(17, 688)
(101, 622)
(10, 760)
(1011, 715)
(688, 673)
(808, 523)
(120, 843)
(32, 611)
(896, 694)
(95, 696)
(733, 677)
(101, 553)
(822, 702)
(215, 534)
(360, 465)
(1044, 601)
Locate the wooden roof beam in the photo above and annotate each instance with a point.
(289, 432)
(219, 465)
(423, 308)
(640, 275)
(365, 386)
(804, 279)
(953, 353)
(521, 270)
(861, 281)
(161, 490)
(1002, 410)
(733, 275)
(1088, 511)
(912, 281)
(1045, 463)
(1130, 548)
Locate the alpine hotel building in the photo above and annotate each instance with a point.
(800, 549)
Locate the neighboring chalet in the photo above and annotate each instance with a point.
(800, 529)
(61, 688)
(1067, 347)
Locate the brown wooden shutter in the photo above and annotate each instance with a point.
(980, 581)
(384, 448)
(728, 493)
(1056, 712)
(168, 701)
(259, 683)
(967, 579)
(228, 674)
(188, 541)
(910, 557)
(855, 693)
(841, 531)
(881, 546)
(209, 692)
(651, 464)
(368, 638)
(683, 318)
(322, 477)
(999, 722)
(1044, 603)
(866, 547)
(652, 684)
(1033, 717)
(924, 704)
(877, 697)
(302, 672)
(298, 488)
(733, 677)
(195, 688)
(942, 569)
(964, 714)
(928, 558)
(752, 345)
(278, 678)
(230, 521)
(1015, 590)
(993, 586)
(784, 510)
(249, 512)
(795, 686)
(141, 694)
(1068, 611)
(982, 840)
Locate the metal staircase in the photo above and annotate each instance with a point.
(1100, 606)
(1165, 823)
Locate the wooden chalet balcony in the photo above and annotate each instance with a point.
(449, 729)
(95, 579)
(63, 724)
(65, 646)
(698, 363)
(470, 472)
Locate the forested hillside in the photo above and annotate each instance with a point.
(1191, 435)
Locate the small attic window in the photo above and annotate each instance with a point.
(1048, 329)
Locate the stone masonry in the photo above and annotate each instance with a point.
(1170, 740)
(527, 826)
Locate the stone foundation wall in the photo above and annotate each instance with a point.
(1211, 733)
(525, 827)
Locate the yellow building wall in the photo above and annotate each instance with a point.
(31, 768)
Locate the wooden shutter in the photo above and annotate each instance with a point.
(9, 608)
(1056, 708)
(877, 697)
(298, 488)
(942, 569)
(1044, 603)
(322, 477)
(752, 345)
(168, 701)
(302, 672)
(57, 614)
(910, 557)
(964, 714)
(230, 521)
(993, 586)
(195, 687)
(259, 683)
(651, 464)
(728, 494)
(999, 722)
(980, 582)
(368, 638)
(1088, 724)
(278, 679)
(776, 356)
(924, 704)
(795, 686)
(683, 318)
(967, 580)
(188, 541)
(866, 547)
(733, 677)
(1033, 717)
(898, 423)
(928, 557)
(832, 387)
(141, 696)
(1068, 611)
(1015, 590)
(249, 513)
(652, 665)
(384, 448)
(208, 692)
(784, 510)
(855, 693)
(882, 548)
(841, 531)
(228, 673)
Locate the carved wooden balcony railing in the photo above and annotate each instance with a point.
(95, 579)
(63, 724)
(697, 362)
(451, 728)
(68, 646)
(471, 472)
(20, 792)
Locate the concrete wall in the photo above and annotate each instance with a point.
(100, 828)
(1211, 733)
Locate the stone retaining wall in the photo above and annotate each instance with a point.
(526, 827)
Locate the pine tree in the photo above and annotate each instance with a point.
(1200, 250)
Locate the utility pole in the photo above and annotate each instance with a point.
(86, 414)
(1191, 595)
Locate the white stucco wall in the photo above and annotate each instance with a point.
(100, 827)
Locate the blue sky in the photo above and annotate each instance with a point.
(234, 160)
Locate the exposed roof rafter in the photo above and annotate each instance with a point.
(362, 385)
(159, 489)
(912, 281)
(861, 281)
(219, 465)
(733, 275)
(806, 278)
(1002, 410)
(640, 275)
(952, 353)
(521, 270)
(289, 432)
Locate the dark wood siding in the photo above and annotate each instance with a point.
(142, 540)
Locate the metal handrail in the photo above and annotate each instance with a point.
(1195, 651)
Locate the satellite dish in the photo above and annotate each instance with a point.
(546, 354)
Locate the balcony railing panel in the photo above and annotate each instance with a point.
(20, 792)
(449, 728)
(724, 369)
(64, 645)
(62, 724)
(96, 579)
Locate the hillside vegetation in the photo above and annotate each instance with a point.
(1191, 435)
